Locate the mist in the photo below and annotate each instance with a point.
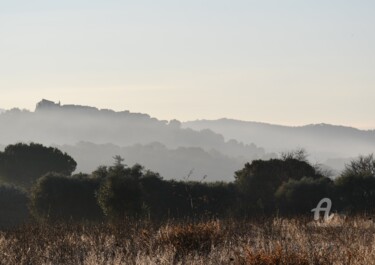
(213, 150)
(93, 136)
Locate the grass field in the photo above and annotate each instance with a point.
(263, 241)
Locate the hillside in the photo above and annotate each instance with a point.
(215, 148)
(323, 141)
(133, 135)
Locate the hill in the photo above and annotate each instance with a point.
(209, 147)
(66, 125)
(323, 141)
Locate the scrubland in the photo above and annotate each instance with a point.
(263, 241)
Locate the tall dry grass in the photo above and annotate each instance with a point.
(251, 242)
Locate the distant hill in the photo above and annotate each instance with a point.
(52, 123)
(215, 148)
(322, 141)
(66, 125)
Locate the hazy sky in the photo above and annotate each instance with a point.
(280, 61)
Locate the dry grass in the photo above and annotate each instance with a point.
(187, 238)
(256, 242)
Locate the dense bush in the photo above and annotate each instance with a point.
(179, 199)
(300, 196)
(259, 181)
(13, 206)
(356, 193)
(355, 188)
(58, 197)
(120, 194)
(290, 185)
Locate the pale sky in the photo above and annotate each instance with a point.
(281, 61)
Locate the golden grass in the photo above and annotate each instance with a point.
(239, 242)
(186, 238)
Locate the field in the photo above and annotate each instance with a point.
(263, 241)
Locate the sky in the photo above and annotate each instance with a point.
(285, 62)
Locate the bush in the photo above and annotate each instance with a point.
(120, 197)
(356, 193)
(300, 196)
(259, 181)
(58, 197)
(355, 188)
(120, 193)
(13, 206)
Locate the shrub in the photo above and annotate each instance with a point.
(300, 196)
(120, 196)
(259, 181)
(57, 197)
(13, 206)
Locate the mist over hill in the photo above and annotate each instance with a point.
(330, 144)
(160, 145)
(191, 163)
(214, 148)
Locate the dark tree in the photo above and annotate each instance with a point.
(120, 197)
(22, 164)
(298, 154)
(259, 181)
(120, 194)
(362, 166)
(356, 185)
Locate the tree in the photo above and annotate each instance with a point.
(259, 181)
(362, 166)
(356, 186)
(118, 161)
(120, 194)
(22, 164)
(298, 154)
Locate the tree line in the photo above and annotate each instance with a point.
(38, 184)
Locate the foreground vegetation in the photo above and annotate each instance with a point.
(263, 241)
(36, 184)
(49, 216)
